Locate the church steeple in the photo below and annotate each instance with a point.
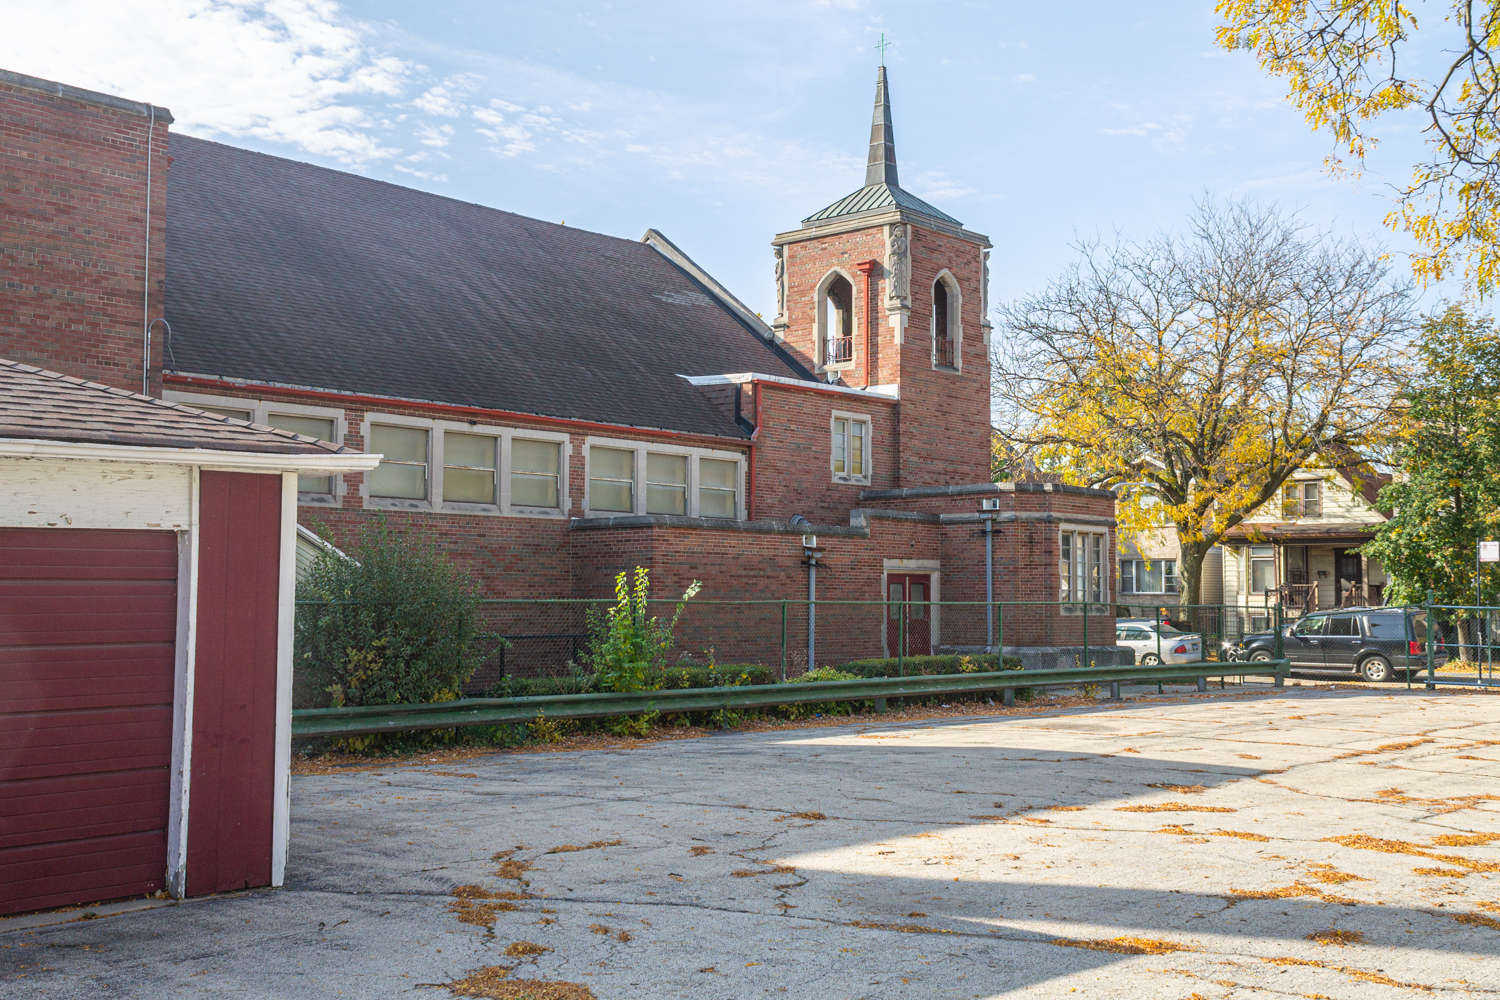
(881, 190)
(882, 164)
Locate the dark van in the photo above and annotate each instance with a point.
(1374, 642)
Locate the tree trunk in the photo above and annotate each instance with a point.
(1190, 571)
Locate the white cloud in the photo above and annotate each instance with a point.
(936, 186)
(425, 175)
(1023, 78)
(437, 137)
(283, 71)
(446, 98)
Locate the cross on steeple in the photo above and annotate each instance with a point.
(882, 45)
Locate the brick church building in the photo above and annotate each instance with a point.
(554, 405)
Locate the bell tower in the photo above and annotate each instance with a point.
(883, 292)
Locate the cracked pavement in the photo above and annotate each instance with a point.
(1302, 843)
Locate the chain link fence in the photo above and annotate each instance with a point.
(1464, 642)
(552, 637)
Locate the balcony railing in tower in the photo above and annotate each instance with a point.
(942, 352)
(840, 350)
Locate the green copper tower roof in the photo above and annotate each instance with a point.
(882, 190)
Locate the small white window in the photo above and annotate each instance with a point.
(850, 450)
(718, 488)
(1262, 568)
(666, 484)
(535, 472)
(402, 472)
(313, 427)
(469, 467)
(612, 479)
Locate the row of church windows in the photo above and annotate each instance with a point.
(430, 463)
(835, 322)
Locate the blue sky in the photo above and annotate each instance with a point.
(721, 124)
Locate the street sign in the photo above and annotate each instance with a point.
(1489, 551)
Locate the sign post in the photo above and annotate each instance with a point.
(1489, 552)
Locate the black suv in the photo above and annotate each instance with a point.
(1376, 642)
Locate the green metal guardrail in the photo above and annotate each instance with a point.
(496, 711)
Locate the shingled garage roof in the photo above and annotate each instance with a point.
(293, 274)
(38, 405)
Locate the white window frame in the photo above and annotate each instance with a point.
(1134, 564)
(434, 462)
(844, 477)
(564, 500)
(955, 321)
(260, 410)
(1074, 590)
(436, 429)
(641, 449)
(820, 313)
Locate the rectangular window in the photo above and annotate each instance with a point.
(718, 488)
(612, 479)
(469, 467)
(1304, 499)
(666, 484)
(1149, 576)
(1312, 499)
(1065, 566)
(850, 447)
(402, 473)
(1262, 568)
(1291, 509)
(313, 427)
(1083, 562)
(535, 473)
(225, 411)
(1096, 569)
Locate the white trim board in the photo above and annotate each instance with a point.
(281, 807)
(229, 461)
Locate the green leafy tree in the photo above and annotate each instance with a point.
(1448, 497)
(393, 622)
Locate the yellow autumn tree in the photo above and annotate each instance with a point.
(1348, 63)
(1195, 372)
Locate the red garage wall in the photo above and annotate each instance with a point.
(234, 694)
(87, 625)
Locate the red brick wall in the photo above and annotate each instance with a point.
(766, 568)
(72, 235)
(793, 449)
(945, 416)
(807, 263)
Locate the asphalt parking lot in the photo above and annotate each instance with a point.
(1302, 843)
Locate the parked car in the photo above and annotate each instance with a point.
(1375, 642)
(1155, 642)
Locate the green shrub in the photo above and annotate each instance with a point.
(718, 675)
(627, 651)
(396, 623)
(927, 666)
(807, 710)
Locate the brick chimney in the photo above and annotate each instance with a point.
(74, 204)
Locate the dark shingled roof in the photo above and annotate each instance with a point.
(36, 404)
(287, 273)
